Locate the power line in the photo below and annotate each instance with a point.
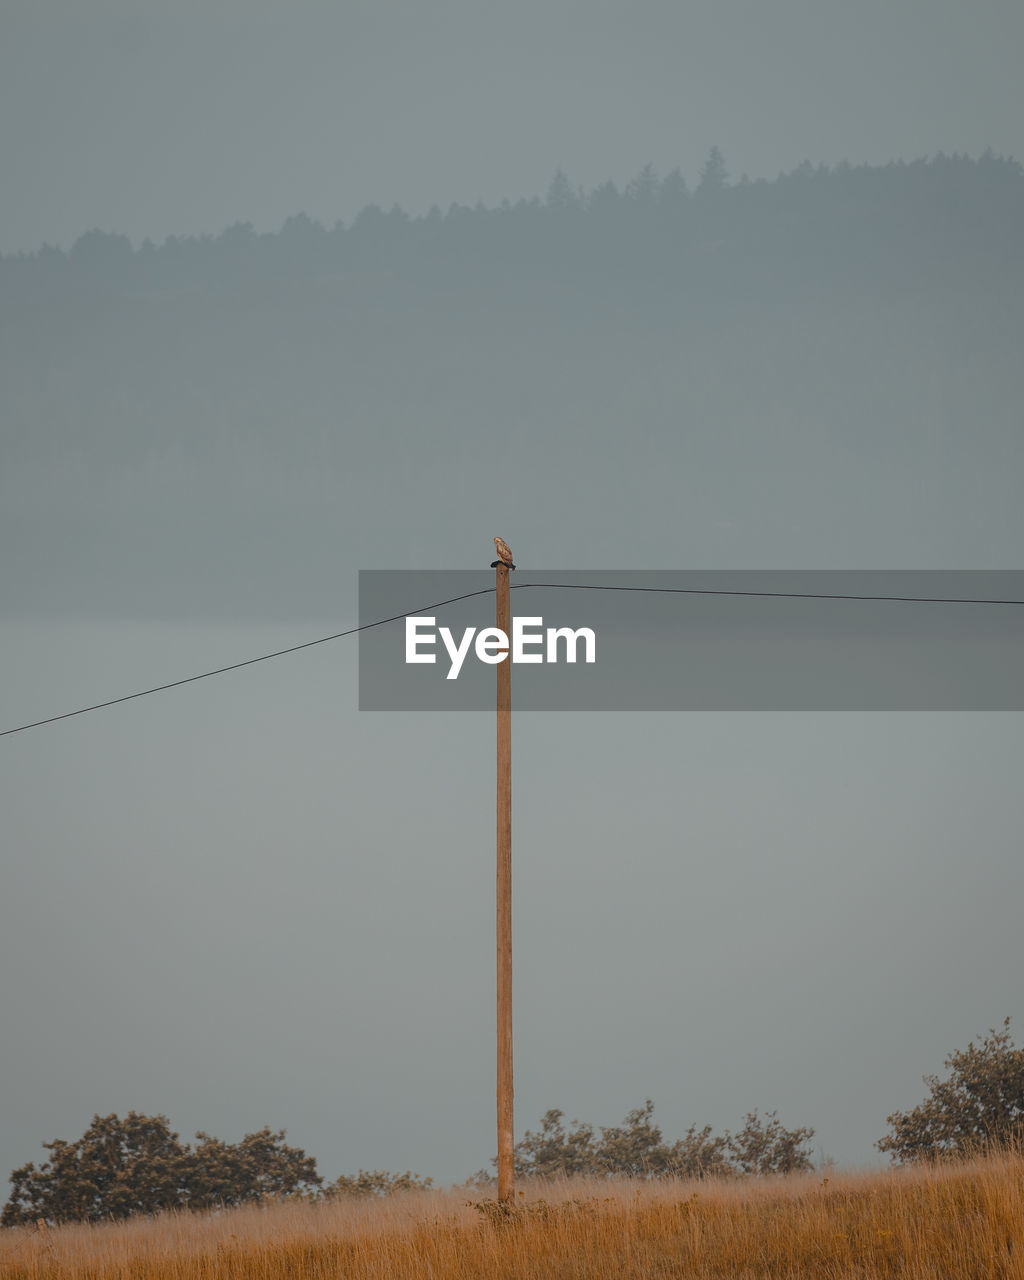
(518, 586)
(780, 595)
(235, 666)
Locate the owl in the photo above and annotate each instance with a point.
(504, 554)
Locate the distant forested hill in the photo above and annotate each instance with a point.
(771, 359)
(953, 221)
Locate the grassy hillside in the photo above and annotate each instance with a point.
(954, 1222)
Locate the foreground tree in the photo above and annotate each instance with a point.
(261, 1165)
(117, 1168)
(699, 1154)
(763, 1146)
(137, 1165)
(376, 1183)
(978, 1107)
(636, 1149)
(556, 1151)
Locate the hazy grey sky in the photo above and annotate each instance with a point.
(244, 902)
(157, 119)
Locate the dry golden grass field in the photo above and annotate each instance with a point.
(945, 1223)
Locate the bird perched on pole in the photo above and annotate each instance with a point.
(504, 554)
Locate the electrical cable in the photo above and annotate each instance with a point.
(234, 666)
(517, 586)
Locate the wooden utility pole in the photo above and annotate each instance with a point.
(504, 891)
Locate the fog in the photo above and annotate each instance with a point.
(159, 120)
(245, 902)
